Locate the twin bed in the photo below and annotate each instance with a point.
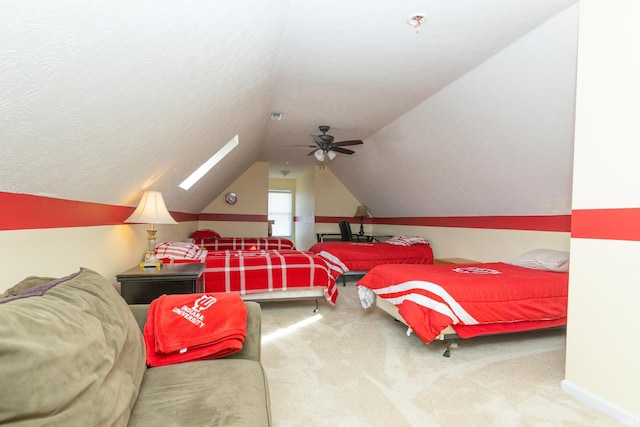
(270, 275)
(246, 243)
(469, 300)
(356, 258)
(256, 268)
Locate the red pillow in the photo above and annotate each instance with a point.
(204, 234)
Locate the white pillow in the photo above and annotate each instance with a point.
(178, 250)
(543, 259)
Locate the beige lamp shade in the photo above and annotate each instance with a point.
(151, 210)
(362, 211)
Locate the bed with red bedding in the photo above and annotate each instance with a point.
(258, 275)
(246, 243)
(356, 258)
(269, 275)
(467, 300)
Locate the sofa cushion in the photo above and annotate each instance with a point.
(71, 352)
(221, 392)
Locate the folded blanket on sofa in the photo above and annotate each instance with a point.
(185, 327)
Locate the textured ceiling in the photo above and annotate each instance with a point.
(102, 99)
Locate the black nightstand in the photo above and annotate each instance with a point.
(142, 285)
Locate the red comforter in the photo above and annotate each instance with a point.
(475, 299)
(357, 256)
(249, 272)
(246, 243)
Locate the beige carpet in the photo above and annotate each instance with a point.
(351, 367)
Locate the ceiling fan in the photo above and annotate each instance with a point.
(326, 146)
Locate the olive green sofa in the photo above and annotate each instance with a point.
(72, 354)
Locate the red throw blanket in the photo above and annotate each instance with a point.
(474, 299)
(185, 327)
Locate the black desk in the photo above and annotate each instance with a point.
(325, 237)
(378, 237)
(322, 237)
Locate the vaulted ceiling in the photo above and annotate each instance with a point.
(469, 114)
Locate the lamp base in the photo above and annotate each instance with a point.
(150, 261)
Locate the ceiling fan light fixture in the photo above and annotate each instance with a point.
(331, 154)
(319, 155)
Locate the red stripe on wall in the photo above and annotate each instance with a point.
(26, 211)
(560, 223)
(608, 224)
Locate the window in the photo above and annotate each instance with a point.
(281, 211)
(206, 166)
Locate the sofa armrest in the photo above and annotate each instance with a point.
(140, 313)
(252, 345)
(251, 348)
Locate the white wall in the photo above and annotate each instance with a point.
(603, 349)
(57, 252)
(252, 189)
(483, 245)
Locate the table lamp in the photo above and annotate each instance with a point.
(361, 211)
(151, 210)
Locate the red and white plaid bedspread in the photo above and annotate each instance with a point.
(246, 243)
(475, 299)
(249, 272)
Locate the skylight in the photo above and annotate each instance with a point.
(206, 166)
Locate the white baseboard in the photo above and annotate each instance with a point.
(624, 417)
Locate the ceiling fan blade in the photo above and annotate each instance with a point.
(299, 145)
(342, 150)
(345, 143)
(311, 153)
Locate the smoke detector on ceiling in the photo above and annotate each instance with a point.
(416, 19)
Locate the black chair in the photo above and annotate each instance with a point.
(345, 231)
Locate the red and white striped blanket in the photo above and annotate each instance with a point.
(246, 243)
(250, 272)
(475, 299)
